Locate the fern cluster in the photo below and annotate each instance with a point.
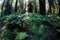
(37, 24)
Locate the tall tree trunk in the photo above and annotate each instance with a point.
(2, 8)
(16, 5)
(42, 7)
(7, 8)
(50, 6)
(11, 5)
(30, 6)
(35, 7)
(59, 7)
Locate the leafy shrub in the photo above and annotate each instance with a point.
(37, 25)
(21, 35)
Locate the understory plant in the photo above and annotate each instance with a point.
(37, 24)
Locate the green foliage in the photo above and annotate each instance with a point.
(14, 35)
(21, 35)
(37, 25)
(12, 18)
(9, 35)
(56, 19)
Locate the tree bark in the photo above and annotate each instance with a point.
(30, 7)
(42, 7)
(7, 8)
(16, 5)
(2, 8)
(59, 7)
(50, 6)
